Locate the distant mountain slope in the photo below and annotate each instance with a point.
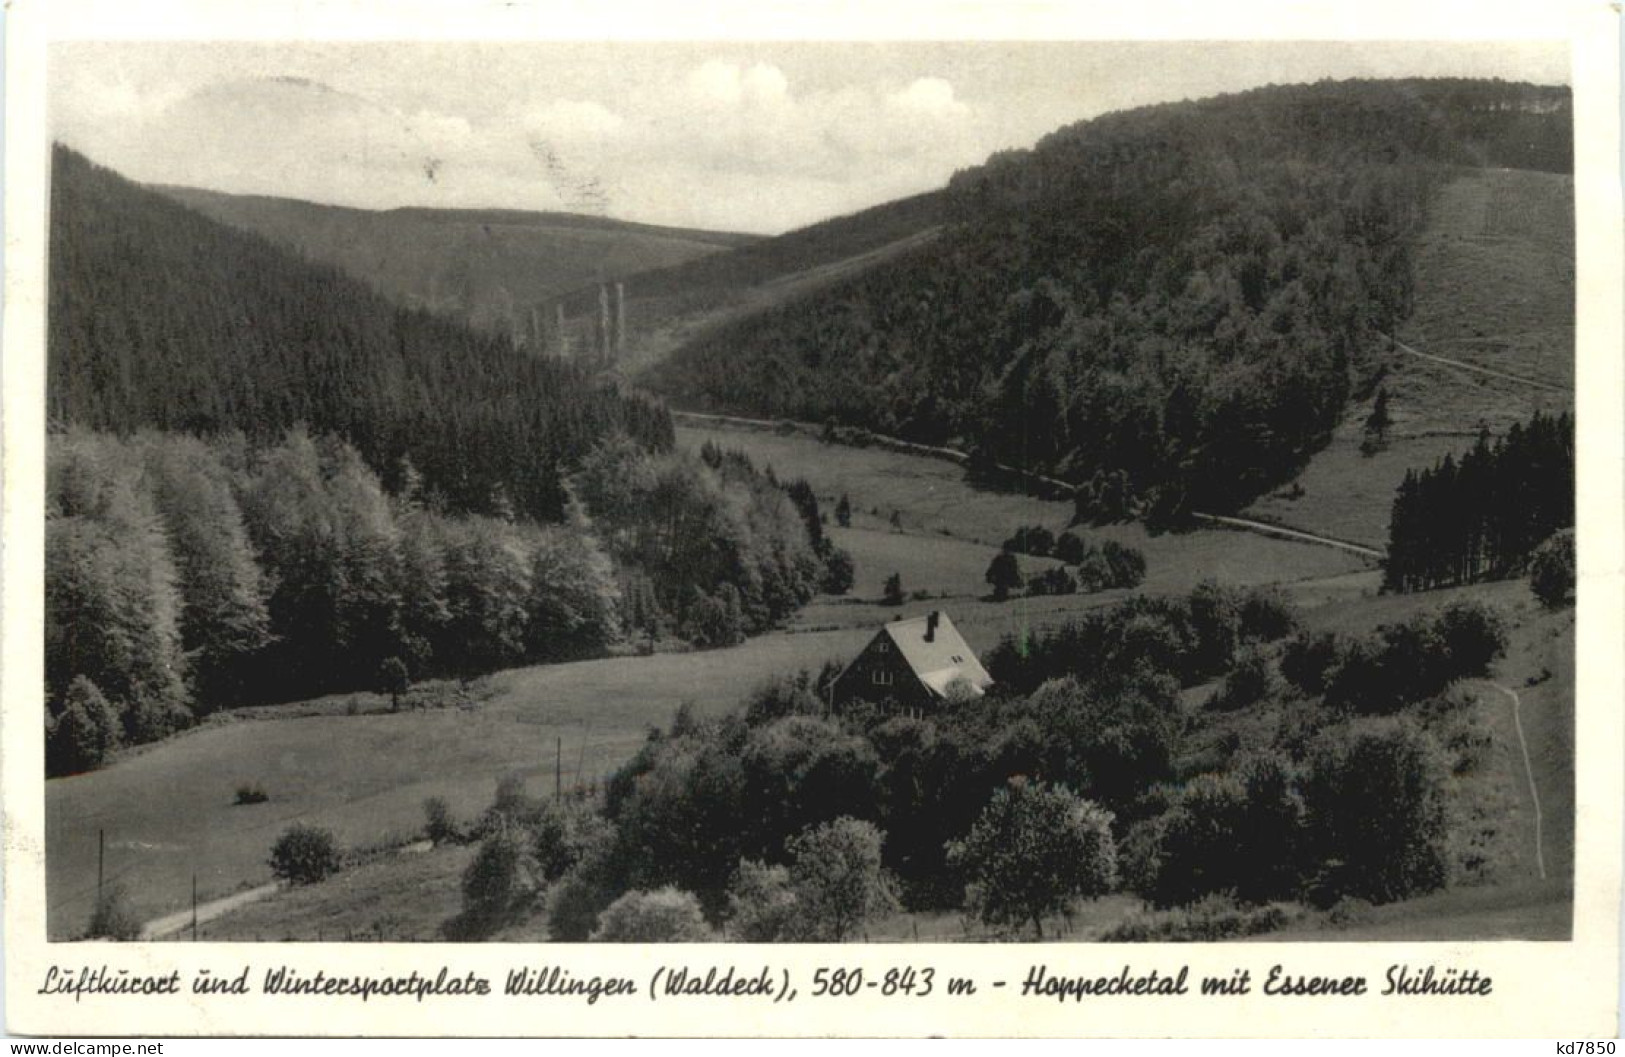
(1169, 306)
(488, 266)
(161, 317)
(669, 306)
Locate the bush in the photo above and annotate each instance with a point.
(509, 807)
(495, 880)
(1126, 565)
(837, 880)
(1216, 917)
(1412, 661)
(892, 595)
(1056, 581)
(1236, 833)
(1375, 803)
(1032, 851)
(251, 793)
(394, 681)
(1454, 720)
(1267, 615)
(1215, 620)
(1474, 635)
(1003, 575)
(666, 915)
(1552, 570)
(564, 835)
(839, 572)
(1031, 539)
(1310, 660)
(113, 918)
(305, 855)
(1248, 681)
(762, 906)
(438, 824)
(575, 903)
(1071, 548)
(83, 733)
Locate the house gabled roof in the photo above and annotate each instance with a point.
(942, 660)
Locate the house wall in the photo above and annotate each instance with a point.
(881, 656)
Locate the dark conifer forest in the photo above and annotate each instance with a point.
(163, 319)
(1483, 516)
(1167, 307)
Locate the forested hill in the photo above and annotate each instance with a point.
(160, 317)
(485, 266)
(817, 245)
(1167, 306)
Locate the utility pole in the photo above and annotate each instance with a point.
(558, 768)
(194, 908)
(101, 862)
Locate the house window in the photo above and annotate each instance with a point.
(958, 659)
(881, 677)
(884, 646)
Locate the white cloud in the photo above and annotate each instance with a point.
(931, 96)
(722, 144)
(764, 85)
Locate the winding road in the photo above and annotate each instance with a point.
(963, 458)
(1476, 369)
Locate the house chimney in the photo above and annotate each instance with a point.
(931, 625)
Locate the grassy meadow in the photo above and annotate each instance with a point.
(1494, 288)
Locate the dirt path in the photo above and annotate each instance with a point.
(1476, 369)
(178, 922)
(1282, 532)
(1529, 772)
(963, 458)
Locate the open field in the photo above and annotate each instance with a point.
(488, 266)
(1495, 288)
(659, 325)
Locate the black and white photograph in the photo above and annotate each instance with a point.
(1056, 492)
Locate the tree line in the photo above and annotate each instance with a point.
(185, 576)
(709, 546)
(1483, 516)
(1166, 307)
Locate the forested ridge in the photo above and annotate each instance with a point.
(1168, 307)
(266, 482)
(162, 318)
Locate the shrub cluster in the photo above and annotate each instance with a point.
(1398, 665)
(305, 854)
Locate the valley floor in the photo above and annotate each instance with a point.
(168, 813)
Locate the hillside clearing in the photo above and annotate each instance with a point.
(1494, 288)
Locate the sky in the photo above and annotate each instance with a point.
(730, 136)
